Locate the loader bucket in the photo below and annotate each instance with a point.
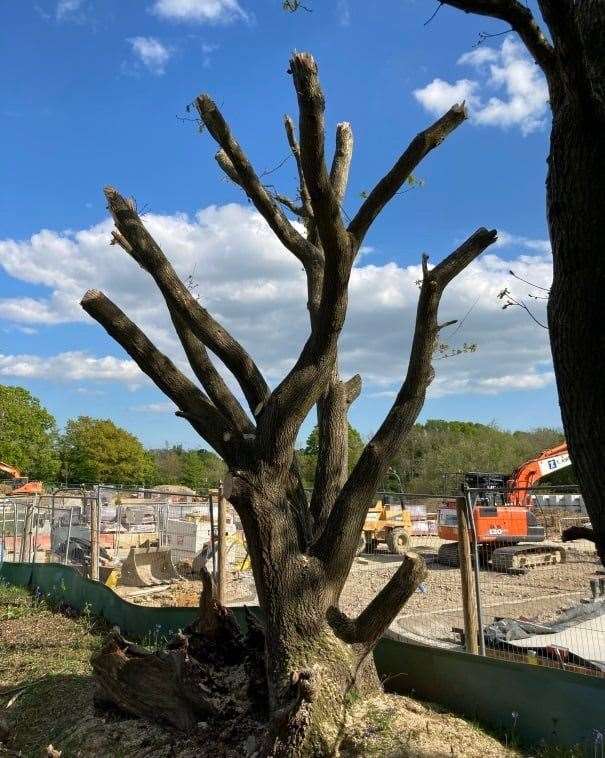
(148, 567)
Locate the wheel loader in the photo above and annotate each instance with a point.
(386, 522)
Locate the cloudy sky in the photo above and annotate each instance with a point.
(92, 95)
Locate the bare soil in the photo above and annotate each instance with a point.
(539, 595)
(44, 660)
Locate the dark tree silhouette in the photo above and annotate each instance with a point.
(574, 66)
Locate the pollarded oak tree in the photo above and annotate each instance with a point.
(301, 551)
(574, 67)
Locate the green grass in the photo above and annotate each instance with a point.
(45, 662)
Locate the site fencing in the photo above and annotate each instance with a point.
(536, 599)
(545, 607)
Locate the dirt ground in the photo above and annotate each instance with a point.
(430, 614)
(46, 698)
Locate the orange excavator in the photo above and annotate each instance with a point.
(507, 532)
(20, 483)
(530, 472)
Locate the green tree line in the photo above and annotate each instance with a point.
(96, 450)
(92, 450)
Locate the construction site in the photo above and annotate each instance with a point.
(495, 553)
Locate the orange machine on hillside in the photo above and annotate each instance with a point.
(506, 529)
(20, 483)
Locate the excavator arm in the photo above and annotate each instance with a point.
(530, 473)
(12, 470)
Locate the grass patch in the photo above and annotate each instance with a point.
(45, 663)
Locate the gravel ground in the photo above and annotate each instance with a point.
(539, 595)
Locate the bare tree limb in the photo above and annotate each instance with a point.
(332, 455)
(333, 446)
(294, 397)
(353, 388)
(392, 182)
(522, 21)
(160, 369)
(324, 200)
(341, 163)
(295, 148)
(148, 254)
(210, 379)
(337, 543)
(367, 628)
(241, 168)
(228, 167)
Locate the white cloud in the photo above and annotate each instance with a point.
(71, 366)
(522, 98)
(67, 9)
(478, 56)
(439, 96)
(199, 11)
(155, 408)
(252, 285)
(151, 53)
(505, 239)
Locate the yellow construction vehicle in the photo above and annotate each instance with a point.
(386, 522)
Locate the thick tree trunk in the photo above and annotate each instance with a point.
(576, 308)
(297, 672)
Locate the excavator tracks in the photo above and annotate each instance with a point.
(519, 558)
(509, 559)
(447, 555)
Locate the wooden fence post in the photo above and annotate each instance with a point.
(222, 525)
(94, 536)
(469, 604)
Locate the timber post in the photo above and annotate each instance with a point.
(466, 573)
(221, 545)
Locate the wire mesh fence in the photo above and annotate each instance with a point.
(537, 599)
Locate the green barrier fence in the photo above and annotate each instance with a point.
(533, 703)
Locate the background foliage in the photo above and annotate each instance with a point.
(28, 434)
(96, 450)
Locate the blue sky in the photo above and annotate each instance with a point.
(91, 95)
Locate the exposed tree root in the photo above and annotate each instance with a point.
(199, 676)
(212, 673)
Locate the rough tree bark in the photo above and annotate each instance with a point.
(574, 66)
(301, 552)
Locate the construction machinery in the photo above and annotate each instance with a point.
(386, 522)
(20, 485)
(529, 473)
(505, 528)
(148, 567)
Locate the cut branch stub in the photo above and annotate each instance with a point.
(353, 388)
(367, 628)
(324, 201)
(341, 163)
